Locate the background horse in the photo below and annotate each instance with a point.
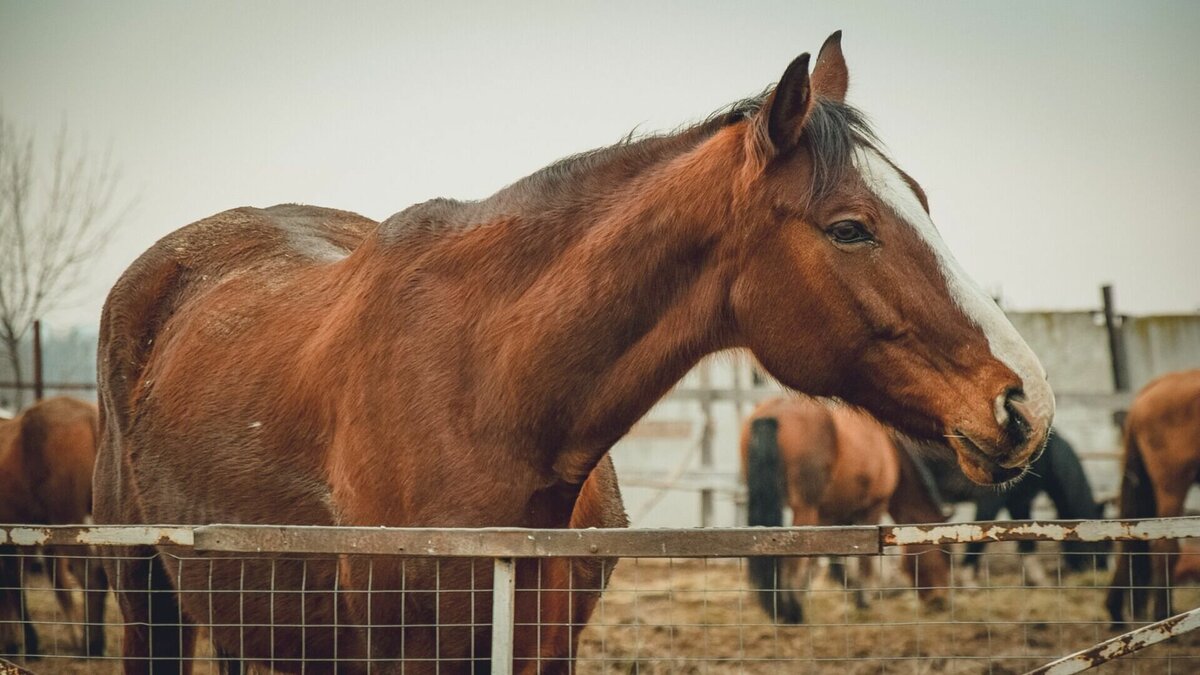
(1162, 462)
(471, 363)
(1057, 472)
(832, 466)
(46, 458)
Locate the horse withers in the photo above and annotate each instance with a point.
(470, 363)
(46, 457)
(1162, 463)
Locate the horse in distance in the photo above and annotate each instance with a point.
(832, 466)
(47, 454)
(471, 363)
(1162, 463)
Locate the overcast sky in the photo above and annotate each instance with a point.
(1058, 141)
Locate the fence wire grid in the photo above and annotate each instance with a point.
(318, 600)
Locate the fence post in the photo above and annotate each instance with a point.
(1116, 340)
(38, 382)
(504, 590)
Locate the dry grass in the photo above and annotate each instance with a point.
(690, 616)
(695, 616)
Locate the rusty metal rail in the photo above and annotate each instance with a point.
(1044, 530)
(506, 545)
(623, 543)
(1122, 645)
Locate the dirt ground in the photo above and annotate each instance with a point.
(697, 616)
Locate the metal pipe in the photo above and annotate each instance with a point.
(504, 591)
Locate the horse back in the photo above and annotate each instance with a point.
(1167, 411)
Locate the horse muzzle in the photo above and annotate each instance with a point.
(1009, 443)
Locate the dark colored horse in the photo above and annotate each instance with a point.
(832, 466)
(470, 363)
(1057, 472)
(46, 458)
(1162, 462)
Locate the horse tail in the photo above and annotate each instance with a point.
(765, 488)
(1133, 561)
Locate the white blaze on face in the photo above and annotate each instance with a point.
(1006, 344)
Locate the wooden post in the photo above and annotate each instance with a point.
(1116, 348)
(38, 382)
(1116, 341)
(707, 496)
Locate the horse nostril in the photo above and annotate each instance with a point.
(1016, 427)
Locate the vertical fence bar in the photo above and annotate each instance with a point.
(38, 382)
(504, 590)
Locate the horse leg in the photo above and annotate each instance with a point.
(839, 571)
(1034, 572)
(1115, 600)
(33, 648)
(929, 569)
(158, 637)
(793, 572)
(95, 592)
(1163, 552)
(867, 580)
(58, 565)
(1171, 481)
(986, 508)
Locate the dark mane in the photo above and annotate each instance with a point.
(832, 132)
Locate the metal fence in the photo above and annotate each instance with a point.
(314, 599)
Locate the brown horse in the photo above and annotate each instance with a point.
(833, 466)
(46, 458)
(470, 363)
(1162, 462)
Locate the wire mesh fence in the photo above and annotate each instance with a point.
(884, 600)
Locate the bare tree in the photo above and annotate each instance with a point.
(56, 215)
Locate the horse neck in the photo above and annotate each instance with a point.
(575, 326)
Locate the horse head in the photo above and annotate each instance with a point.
(832, 227)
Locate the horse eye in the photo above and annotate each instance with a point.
(849, 232)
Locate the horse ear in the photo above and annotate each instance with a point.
(788, 106)
(830, 78)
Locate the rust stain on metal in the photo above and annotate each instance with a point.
(96, 535)
(10, 668)
(1122, 645)
(534, 543)
(1058, 530)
